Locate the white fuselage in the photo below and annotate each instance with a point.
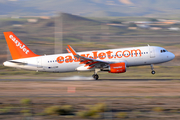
(135, 56)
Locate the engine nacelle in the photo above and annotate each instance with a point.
(117, 67)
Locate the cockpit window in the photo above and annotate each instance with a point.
(162, 51)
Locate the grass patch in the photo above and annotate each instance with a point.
(158, 109)
(122, 115)
(94, 111)
(59, 110)
(26, 101)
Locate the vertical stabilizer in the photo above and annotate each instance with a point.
(17, 48)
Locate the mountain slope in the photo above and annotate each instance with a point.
(89, 7)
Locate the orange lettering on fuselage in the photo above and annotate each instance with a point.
(60, 59)
(109, 54)
(126, 56)
(135, 52)
(68, 59)
(118, 53)
(85, 55)
(101, 55)
(95, 54)
(76, 60)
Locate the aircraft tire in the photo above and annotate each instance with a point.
(153, 72)
(95, 76)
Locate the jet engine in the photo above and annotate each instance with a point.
(117, 67)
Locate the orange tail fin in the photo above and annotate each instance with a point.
(17, 48)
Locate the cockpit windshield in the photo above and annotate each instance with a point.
(162, 51)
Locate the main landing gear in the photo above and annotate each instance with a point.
(95, 75)
(152, 68)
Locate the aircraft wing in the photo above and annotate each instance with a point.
(89, 61)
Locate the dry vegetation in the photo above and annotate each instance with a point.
(129, 100)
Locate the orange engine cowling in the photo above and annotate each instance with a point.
(117, 67)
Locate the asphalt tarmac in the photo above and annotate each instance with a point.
(44, 90)
(87, 80)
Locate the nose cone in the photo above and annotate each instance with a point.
(171, 56)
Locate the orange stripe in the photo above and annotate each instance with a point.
(72, 50)
(68, 50)
(90, 67)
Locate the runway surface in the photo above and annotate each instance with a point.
(102, 88)
(87, 79)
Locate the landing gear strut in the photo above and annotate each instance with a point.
(95, 75)
(152, 68)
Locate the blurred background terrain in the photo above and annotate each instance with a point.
(48, 26)
(41, 33)
(94, 8)
(93, 24)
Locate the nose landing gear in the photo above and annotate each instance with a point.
(153, 72)
(152, 68)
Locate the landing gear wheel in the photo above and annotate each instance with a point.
(152, 68)
(95, 76)
(153, 72)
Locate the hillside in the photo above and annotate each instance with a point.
(95, 8)
(83, 34)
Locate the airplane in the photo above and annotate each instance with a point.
(111, 60)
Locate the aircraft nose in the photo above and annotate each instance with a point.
(171, 56)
